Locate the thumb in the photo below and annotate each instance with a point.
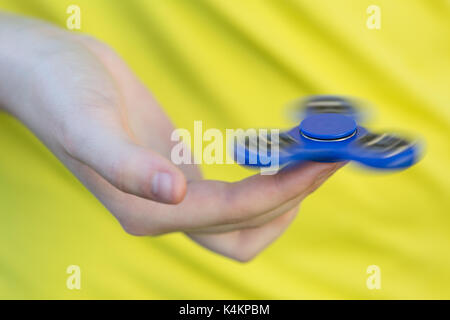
(128, 166)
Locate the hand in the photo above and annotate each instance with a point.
(86, 105)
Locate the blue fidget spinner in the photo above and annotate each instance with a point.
(328, 133)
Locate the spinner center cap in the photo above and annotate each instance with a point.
(327, 126)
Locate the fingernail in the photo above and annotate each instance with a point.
(162, 186)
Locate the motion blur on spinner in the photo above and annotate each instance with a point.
(330, 130)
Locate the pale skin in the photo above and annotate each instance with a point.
(83, 102)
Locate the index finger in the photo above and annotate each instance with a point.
(209, 203)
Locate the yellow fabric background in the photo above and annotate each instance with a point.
(235, 64)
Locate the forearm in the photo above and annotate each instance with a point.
(24, 45)
(30, 52)
(21, 47)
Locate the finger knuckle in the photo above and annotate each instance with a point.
(236, 208)
(243, 256)
(117, 172)
(133, 230)
(71, 139)
(242, 250)
(156, 231)
(136, 228)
